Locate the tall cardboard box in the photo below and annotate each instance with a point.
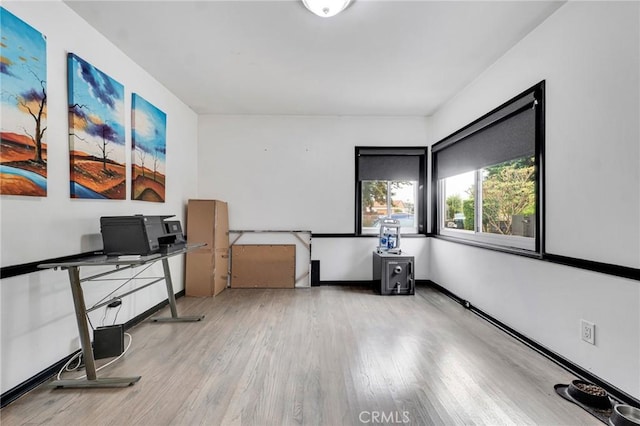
(207, 267)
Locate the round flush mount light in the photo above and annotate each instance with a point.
(326, 8)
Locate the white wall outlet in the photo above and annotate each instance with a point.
(588, 331)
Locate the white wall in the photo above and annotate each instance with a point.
(38, 322)
(588, 53)
(298, 173)
(350, 259)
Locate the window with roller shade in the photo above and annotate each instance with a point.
(488, 177)
(390, 182)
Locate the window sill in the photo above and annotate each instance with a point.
(403, 236)
(502, 249)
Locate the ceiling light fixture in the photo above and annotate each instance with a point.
(326, 8)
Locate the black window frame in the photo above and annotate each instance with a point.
(476, 127)
(421, 203)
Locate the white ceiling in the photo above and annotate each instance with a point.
(388, 58)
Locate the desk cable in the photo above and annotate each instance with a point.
(78, 357)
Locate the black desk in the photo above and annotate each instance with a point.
(119, 263)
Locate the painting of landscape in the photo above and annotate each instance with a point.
(96, 132)
(23, 79)
(148, 150)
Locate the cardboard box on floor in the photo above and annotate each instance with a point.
(207, 268)
(263, 266)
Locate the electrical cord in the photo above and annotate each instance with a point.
(104, 317)
(117, 312)
(77, 366)
(79, 355)
(89, 319)
(106, 310)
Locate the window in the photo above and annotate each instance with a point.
(488, 177)
(390, 182)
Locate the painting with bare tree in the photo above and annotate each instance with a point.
(23, 122)
(96, 132)
(148, 150)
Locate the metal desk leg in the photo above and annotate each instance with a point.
(91, 380)
(172, 300)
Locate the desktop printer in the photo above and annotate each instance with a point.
(140, 235)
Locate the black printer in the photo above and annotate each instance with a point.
(140, 235)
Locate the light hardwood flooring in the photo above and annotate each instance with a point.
(320, 356)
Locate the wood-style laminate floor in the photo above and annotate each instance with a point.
(320, 356)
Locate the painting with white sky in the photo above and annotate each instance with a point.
(96, 132)
(148, 150)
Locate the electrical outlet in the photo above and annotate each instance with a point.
(588, 331)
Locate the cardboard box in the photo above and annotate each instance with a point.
(263, 266)
(199, 273)
(208, 222)
(207, 268)
(220, 270)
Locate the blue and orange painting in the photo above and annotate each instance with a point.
(96, 132)
(148, 151)
(23, 122)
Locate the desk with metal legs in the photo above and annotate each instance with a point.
(119, 263)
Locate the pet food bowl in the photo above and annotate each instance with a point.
(589, 394)
(625, 415)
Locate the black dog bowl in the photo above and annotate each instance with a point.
(589, 394)
(625, 415)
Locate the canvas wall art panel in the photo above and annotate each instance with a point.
(148, 151)
(23, 122)
(96, 132)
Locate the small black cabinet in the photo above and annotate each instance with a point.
(393, 273)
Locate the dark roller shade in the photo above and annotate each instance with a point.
(389, 167)
(508, 138)
(526, 100)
